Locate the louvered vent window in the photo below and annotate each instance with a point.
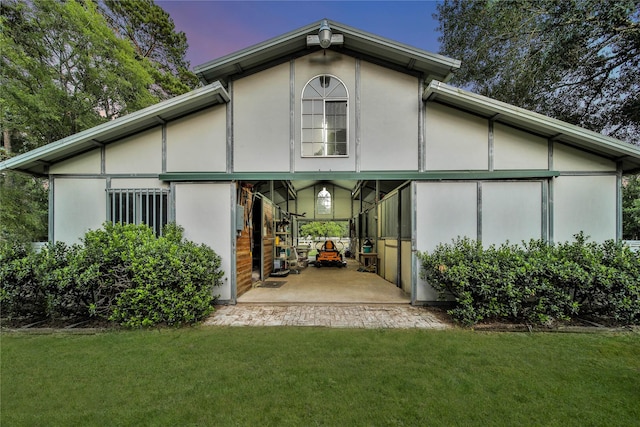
(139, 206)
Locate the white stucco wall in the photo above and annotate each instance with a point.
(455, 140)
(444, 211)
(306, 68)
(389, 117)
(132, 183)
(584, 203)
(516, 149)
(261, 121)
(80, 205)
(511, 211)
(87, 163)
(568, 159)
(204, 210)
(140, 153)
(198, 142)
(388, 113)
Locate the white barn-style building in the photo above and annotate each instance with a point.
(369, 124)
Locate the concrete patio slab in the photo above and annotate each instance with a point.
(327, 285)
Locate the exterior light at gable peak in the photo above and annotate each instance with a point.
(324, 34)
(325, 37)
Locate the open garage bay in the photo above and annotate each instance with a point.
(326, 285)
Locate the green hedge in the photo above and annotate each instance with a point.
(121, 273)
(537, 282)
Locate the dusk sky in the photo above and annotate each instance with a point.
(217, 28)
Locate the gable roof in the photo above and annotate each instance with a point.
(364, 44)
(357, 43)
(36, 161)
(557, 130)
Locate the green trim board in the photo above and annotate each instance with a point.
(365, 175)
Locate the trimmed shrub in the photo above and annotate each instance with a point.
(122, 273)
(58, 276)
(536, 282)
(20, 291)
(172, 282)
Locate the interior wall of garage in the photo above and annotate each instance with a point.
(306, 203)
(388, 225)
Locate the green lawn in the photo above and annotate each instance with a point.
(312, 376)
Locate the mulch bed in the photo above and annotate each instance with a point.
(573, 325)
(71, 325)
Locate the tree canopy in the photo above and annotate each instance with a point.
(575, 60)
(23, 207)
(67, 66)
(317, 229)
(631, 208)
(64, 70)
(153, 35)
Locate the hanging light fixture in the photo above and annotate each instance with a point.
(325, 37)
(324, 81)
(324, 34)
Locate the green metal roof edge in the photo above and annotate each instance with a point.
(368, 175)
(253, 49)
(554, 125)
(96, 132)
(235, 57)
(395, 45)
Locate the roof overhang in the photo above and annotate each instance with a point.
(36, 161)
(628, 155)
(356, 43)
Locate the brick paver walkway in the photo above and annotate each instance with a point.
(334, 316)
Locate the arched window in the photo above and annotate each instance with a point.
(324, 117)
(323, 202)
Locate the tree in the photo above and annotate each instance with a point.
(575, 60)
(631, 208)
(63, 71)
(317, 229)
(151, 32)
(23, 207)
